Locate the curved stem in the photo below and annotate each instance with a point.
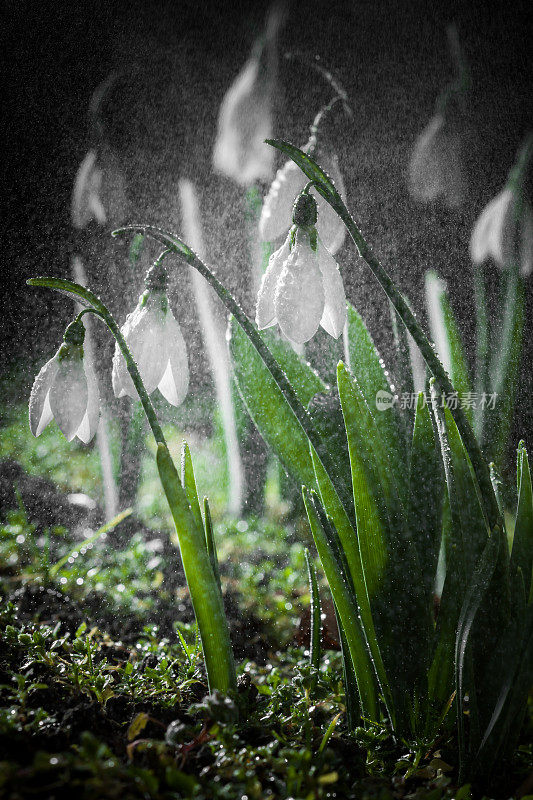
(95, 306)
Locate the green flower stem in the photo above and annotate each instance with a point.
(203, 586)
(300, 412)
(98, 308)
(327, 190)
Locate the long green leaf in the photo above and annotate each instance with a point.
(373, 380)
(210, 542)
(397, 604)
(474, 596)
(504, 368)
(330, 552)
(346, 534)
(326, 413)
(522, 552)
(203, 586)
(189, 484)
(268, 406)
(278, 425)
(316, 624)
(468, 537)
(426, 487)
(447, 339)
(353, 707)
(441, 675)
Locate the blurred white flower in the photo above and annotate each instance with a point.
(86, 203)
(158, 348)
(66, 390)
(302, 289)
(289, 182)
(99, 190)
(436, 168)
(504, 232)
(245, 116)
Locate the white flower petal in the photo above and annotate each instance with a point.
(86, 204)
(89, 423)
(144, 335)
(40, 412)
(493, 233)
(479, 240)
(299, 297)
(334, 315)
(175, 380)
(526, 242)
(276, 213)
(245, 120)
(69, 396)
(435, 168)
(330, 227)
(265, 314)
(424, 176)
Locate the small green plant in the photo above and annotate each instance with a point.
(384, 494)
(378, 524)
(66, 390)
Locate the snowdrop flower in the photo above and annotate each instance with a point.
(156, 343)
(504, 232)
(66, 390)
(435, 168)
(245, 116)
(86, 203)
(99, 191)
(286, 186)
(302, 287)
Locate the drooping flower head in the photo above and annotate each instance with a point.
(86, 202)
(302, 287)
(436, 167)
(504, 229)
(156, 343)
(99, 191)
(66, 390)
(287, 185)
(290, 181)
(246, 114)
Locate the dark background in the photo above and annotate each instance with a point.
(179, 58)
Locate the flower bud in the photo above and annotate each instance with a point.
(289, 182)
(156, 343)
(304, 210)
(302, 289)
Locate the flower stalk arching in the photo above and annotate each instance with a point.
(185, 253)
(203, 585)
(97, 307)
(326, 189)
